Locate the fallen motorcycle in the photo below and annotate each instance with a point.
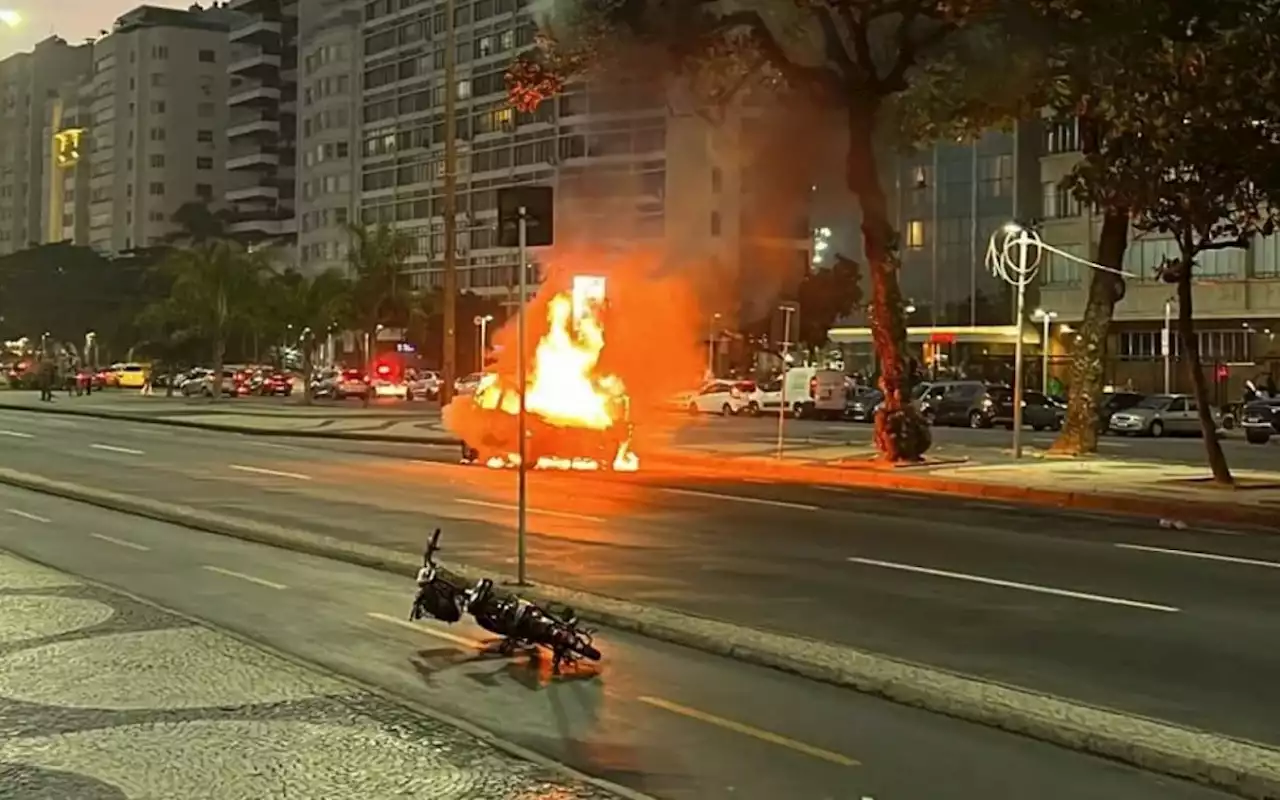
(441, 594)
(522, 624)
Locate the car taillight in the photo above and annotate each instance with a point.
(813, 387)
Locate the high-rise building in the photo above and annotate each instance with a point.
(26, 81)
(327, 199)
(158, 99)
(1237, 294)
(263, 123)
(65, 183)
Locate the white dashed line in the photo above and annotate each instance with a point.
(273, 445)
(26, 515)
(759, 501)
(538, 511)
(1249, 562)
(271, 472)
(249, 578)
(110, 448)
(1026, 587)
(470, 644)
(121, 542)
(16, 435)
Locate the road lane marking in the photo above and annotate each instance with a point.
(271, 472)
(540, 511)
(1251, 562)
(243, 577)
(470, 644)
(747, 730)
(26, 515)
(272, 445)
(1026, 587)
(110, 448)
(121, 542)
(760, 501)
(16, 435)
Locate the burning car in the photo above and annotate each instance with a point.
(577, 415)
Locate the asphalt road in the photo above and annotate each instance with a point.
(1172, 624)
(661, 719)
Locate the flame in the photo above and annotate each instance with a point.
(565, 389)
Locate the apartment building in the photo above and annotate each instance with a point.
(629, 169)
(26, 80)
(263, 122)
(1237, 294)
(327, 200)
(158, 103)
(65, 183)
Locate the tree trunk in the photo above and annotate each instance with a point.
(1089, 353)
(1200, 386)
(308, 348)
(172, 373)
(371, 344)
(219, 351)
(901, 434)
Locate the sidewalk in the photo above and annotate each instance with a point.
(1178, 493)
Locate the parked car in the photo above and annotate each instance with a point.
(1039, 412)
(863, 406)
(714, 397)
(131, 376)
(1261, 420)
(1160, 415)
(964, 403)
(203, 385)
(1111, 403)
(423, 385)
(468, 383)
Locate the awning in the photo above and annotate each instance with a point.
(979, 334)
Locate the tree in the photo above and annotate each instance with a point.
(826, 295)
(196, 223)
(1194, 152)
(865, 54)
(311, 304)
(213, 287)
(380, 290)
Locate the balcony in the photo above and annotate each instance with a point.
(255, 65)
(259, 30)
(264, 227)
(255, 95)
(265, 127)
(251, 193)
(253, 161)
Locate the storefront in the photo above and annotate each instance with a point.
(980, 352)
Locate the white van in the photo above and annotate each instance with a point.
(813, 392)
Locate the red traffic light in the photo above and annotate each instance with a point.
(1223, 372)
(384, 370)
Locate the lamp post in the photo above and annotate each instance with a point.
(787, 310)
(1166, 343)
(711, 346)
(1010, 258)
(482, 322)
(1046, 318)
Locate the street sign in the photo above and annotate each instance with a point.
(539, 215)
(785, 323)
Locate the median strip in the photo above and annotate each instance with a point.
(1248, 769)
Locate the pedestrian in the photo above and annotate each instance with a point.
(146, 383)
(47, 375)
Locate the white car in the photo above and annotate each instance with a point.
(715, 397)
(387, 388)
(424, 386)
(468, 384)
(766, 398)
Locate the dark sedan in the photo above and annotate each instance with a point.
(1261, 420)
(1038, 411)
(862, 407)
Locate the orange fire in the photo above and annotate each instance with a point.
(567, 398)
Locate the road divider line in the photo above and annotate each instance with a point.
(269, 472)
(110, 448)
(759, 501)
(540, 511)
(16, 435)
(1026, 587)
(243, 577)
(1249, 562)
(747, 730)
(121, 542)
(470, 644)
(26, 515)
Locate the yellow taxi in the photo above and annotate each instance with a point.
(131, 376)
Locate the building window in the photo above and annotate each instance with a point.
(1060, 202)
(204, 162)
(156, 189)
(920, 176)
(715, 223)
(157, 160)
(160, 52)
(716, 180)
(1062, 137)
(464, 89)
(208, 57)
(204, 191)
(157, 134)
(204, 136)
(915, 234)
(157, 106)
(157, 79)
(343, 149)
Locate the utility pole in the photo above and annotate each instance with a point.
(449, 365)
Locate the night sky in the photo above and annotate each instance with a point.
(73, 20)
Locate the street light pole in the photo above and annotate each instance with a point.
(787, 311)
(711, 346)
(522, 377)
(1166, 344)
(449, 361)
(482, 321)
(1045, 317)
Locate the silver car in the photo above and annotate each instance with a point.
(1160, 415)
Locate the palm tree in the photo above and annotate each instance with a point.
(197, 223)
(311, 304)
(214, 286)
(379, 289)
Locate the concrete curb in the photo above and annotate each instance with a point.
(216, 427)
(1248, 769)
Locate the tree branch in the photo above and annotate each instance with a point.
(1240, 242)
(817, 79)
(909, 50)
(833, 44)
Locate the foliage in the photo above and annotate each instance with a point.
(197, 223)
(68, 291)
(380, 292)
(826, 295)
